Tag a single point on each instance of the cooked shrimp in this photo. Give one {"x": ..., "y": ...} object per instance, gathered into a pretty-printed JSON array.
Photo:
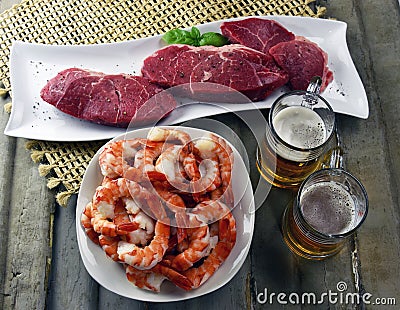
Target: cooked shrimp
[
  {"x": 106, "y": 199},
  {"x": 149, "y": 256},
  {"x": 173, "y": 201},
  {"x": 226, "y": 160},
  {"x": 211, "y": 147},
  {"x": 104, "y": 204},
  {"x": 201, "y": 274},
  {"x": 129, "y": 211},
  {"x": 208, "y": 212},
  {"x": 144, "y": 158},
  {"x": 227, "y": 229},
  {"x": 174, "y": 246},
  {"x": 149, "y": 187},
  {"x": 118, "y": 156},
  {"x": 216, "y": 194},
  {"x": 175, "y": 277},
  {"x": 86, "y": 218},
  {"x": 106, "y": 180},
  {"x": 110, "y": 246},
  {"x": 227, "y": 239},
  {"x": 153, "y": 278},
  {"x": 203, "y": 214},
  {"x": 163, "y": 134},
  {"x": 192, "y": 171},
  {"x": 225, "y": 155},
  {"x": 189, "y": 164},
  {"x": 176, "y": 204},
  {"x": 145, "y": 231},
  {"x": 121, "y": 215},
  {"x": 149, "y": 202},
  {"x": 168, "y": 164},
  {"x": 143, "y": 199},
  {"x": 199, "y": 241},
  {"x": 220, "y": 194},
  {"x": 144, "y": 279},
  {"x": 214, "y": 232},
  {"x": 210, "y": 178}
]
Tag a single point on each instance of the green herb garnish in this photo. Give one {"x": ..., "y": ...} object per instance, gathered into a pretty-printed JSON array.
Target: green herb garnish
[
  {"x": 213, "y": 38},
  {"x": 194, "y": 37}
]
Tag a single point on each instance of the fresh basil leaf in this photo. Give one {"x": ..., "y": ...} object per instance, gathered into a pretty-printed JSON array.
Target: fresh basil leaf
[
  {"x": 213, "y": 38},
  {"x": 189, "y": 41},
  {"x": 175, "y": 36},
  {"x": 195, "y": 33},
  {"x": 194, "y": 37}
]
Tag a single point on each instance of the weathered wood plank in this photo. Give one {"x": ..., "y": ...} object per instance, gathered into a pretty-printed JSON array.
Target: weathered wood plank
[
  {"x": 232, "y": 295},
  {"x": 276, "y": 270},
  {"x": 7, "y": 145},
  {"x": 25, "y": 210},
  {"x": 28, "y": 250},
  {"x": 70, "y": 286},
  {"x": 373, "y": 145}
]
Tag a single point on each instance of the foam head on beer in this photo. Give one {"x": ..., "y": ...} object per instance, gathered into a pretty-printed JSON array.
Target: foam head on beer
[
  {"x": 300, "y": 127},
  {"x": 328, "y": 208}
]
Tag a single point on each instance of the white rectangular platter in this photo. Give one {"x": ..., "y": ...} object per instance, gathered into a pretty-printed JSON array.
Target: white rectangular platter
[{"x": 32, "y": 65}]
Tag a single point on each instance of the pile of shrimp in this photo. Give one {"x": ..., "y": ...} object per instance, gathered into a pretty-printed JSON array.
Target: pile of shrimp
[{"x": 163, "y": 209}]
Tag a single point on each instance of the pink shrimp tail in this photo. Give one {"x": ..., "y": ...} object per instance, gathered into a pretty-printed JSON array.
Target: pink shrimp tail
[{"x": 128, "y": 227}]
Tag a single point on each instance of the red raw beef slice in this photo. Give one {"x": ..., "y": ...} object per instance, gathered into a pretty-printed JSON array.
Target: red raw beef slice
[
  {"x": 114, "y": 100},
  {"x": 246, "y": 70},
  {"x": 54, "y": 90},
  {"x": 303, "y": 60},
  {"x": 257, "y": 33}
]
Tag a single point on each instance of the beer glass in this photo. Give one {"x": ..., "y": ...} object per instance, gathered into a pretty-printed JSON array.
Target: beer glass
[
  {"x": 298, "y": 137},
  {"x": 330, "y": 206}
]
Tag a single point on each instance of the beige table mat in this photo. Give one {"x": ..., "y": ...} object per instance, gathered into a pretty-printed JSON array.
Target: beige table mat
[{"x": 94, "y": 21}]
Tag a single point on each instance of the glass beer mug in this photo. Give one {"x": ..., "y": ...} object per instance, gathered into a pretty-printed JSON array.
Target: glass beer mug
[
  {"x": 299, "y": 135},
  {"x": 330, "y": 206}
]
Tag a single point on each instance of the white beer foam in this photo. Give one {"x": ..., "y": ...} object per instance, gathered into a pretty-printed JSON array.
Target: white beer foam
[
  {"x": 328, "y": 207},
  {"x": 300, "y": 127}
]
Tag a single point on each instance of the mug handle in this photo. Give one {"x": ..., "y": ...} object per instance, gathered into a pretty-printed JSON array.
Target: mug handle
[{"x": 310, "y": 98}]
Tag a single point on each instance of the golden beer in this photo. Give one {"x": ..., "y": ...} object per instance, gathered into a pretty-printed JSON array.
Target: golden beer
[
  {"x": 298, "y": 242},
  {"x": 301, "y": 125},
  {"x": 295, "y": 142},
  {"x": 324, "y": 214},
  {"x": 282, "y": 172}
]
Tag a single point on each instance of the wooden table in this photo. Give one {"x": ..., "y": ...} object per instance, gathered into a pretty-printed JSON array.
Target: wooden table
[{"x": 39, "y": 257}]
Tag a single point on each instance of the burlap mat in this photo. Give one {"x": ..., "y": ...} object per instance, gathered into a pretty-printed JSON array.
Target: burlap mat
[{"x": 93, "y": 21}]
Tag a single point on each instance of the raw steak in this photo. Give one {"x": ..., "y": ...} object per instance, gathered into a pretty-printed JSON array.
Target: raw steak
[
  {"x": 302, "y": 59},
  {"x": 251, "y": 72},
  {"x": 115, "y": 100},
  {"x": 53, "y": 91},
  {"x": 257, "y": 33}
]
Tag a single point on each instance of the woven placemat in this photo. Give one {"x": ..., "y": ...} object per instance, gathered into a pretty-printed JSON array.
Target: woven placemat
[{"x": 93, "y": 21}]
